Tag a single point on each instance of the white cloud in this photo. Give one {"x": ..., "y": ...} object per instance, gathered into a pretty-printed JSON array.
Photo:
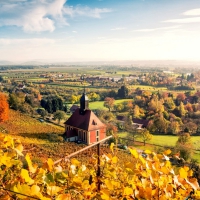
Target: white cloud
[
  {"x": 118, "y": 29},
  {"x": 85, "y": 11},
  {"x": 184, "y": 20},
  {"x": 32, "y": 41},
  {"x": 32, "y": 16},
  {"x": 156, "y": 29},
  {"x": 192, "y": 12},
  {"x": 42, "y": 15}
]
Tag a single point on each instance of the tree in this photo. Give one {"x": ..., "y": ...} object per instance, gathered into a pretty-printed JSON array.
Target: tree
[
  {"x": 174, "y": 127},
  {"x": 156, "y": 105},
  {"x": 43, "y": 113},
  {"x": 145, "y": 136},
  {"x": 4, "y": 107},
  {"x": 93, "y": 96},
  {"x": 109, "y": 102},
  {"x": 74, "y": 99},
  {"x": 13, "y": 101},
  {"x": 184, "y": 146},
  {"x": 49, "y": 106},
  {"x": 119, "y": 107},
  {"x": 181, "y": 109},
  {"x": 111, "y": 129},
  {"x": 130, "y": 128},
  {"x": 1, "y": 79},
  {"x": 59, "y": 115},
  {"x": 123, "y": 92},
  {"x": 180, "y": 97},
  {"x": 191, "y": 127},
  {"x": 105, "y": 116},
  {"x": 136, "y": 112}
]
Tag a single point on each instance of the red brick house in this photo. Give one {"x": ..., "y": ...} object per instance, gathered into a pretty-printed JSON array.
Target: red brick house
[{"x": 84, "y": 125}]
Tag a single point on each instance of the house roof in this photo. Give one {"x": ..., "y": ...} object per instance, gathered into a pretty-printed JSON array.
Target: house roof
[
  {"x": 88, "y": 121},
  {"x": 142, "y": 122}
]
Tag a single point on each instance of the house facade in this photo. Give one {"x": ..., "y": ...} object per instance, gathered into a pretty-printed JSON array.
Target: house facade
[{"x": 84, "y": 125}]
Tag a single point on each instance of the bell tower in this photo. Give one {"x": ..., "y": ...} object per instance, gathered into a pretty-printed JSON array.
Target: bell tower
[{"x": 84, "y": 103}]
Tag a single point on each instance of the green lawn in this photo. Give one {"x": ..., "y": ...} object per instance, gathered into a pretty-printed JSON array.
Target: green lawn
[
  {"x": 167, "y": 141},
  {"x": 99, "y": 104}
]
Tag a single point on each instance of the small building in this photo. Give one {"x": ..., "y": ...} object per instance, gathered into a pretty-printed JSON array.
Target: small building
[
  {"x": 137, "y": 123},
  {"x": 73, "y": 108},
  {"x": 84, "y": 125}
]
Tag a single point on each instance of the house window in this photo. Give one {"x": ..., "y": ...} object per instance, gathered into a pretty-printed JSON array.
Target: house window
[{"x": 97, "y": 133}]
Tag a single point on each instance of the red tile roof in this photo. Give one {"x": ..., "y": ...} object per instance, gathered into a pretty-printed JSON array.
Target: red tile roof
[{"x": 86, "y": 121}]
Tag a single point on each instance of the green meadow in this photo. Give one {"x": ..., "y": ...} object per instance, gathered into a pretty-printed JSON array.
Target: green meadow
[{"x": 100, "y": 104}]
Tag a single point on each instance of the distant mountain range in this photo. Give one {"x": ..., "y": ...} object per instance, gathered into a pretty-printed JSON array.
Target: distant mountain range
[{"x": 123, "y": 62}]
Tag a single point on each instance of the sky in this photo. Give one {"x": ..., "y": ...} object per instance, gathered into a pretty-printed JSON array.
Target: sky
[{"x": 99, "y": 30}]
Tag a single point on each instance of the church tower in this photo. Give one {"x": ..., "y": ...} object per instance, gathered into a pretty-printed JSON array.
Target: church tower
[{"x": 84, "y": 103}]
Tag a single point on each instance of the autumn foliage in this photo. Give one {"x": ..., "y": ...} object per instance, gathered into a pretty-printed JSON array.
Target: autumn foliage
[
  {"x": 4, "y": 107},
  {"x": 137, "y": 178}
]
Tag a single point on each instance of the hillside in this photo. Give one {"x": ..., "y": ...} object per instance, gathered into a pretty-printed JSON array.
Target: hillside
[{"x": 43, "y": 140}]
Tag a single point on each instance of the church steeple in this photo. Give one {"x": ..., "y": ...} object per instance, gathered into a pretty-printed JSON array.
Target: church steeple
[{"x": 84, "y": 103}]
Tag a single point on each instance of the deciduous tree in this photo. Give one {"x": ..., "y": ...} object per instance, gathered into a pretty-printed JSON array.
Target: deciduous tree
[
  {"x": 145, "y": 135},
  {"x": 59, "y": 115},
  {"x": 4, "y": 107},
  {"x": 109, "y": 102}
]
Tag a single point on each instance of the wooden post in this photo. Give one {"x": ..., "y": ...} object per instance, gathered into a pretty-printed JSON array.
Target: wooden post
[{"x": 98, "y": 165}]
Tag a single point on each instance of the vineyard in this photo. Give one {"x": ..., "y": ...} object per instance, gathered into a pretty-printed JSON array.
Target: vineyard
[
  {"x": 42, "y": 140},
  {"x": 138, "y": 178}
]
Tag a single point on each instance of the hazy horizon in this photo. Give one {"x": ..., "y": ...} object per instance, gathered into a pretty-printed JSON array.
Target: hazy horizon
[{"x": 99, "y": 30}]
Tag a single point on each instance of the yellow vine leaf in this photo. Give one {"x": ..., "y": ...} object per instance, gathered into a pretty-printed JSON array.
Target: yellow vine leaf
[
  {"x": 167, "y": 152},
  {"x": 75, "y": 162},
  {"x": 183, "y": 173},
  {"x": 147, "y": 151},
  {"x": 8, "y": 142},
  {"x": 105, "y": 194},
  {"x": 85, "y": 184},
  {"x": 50, "y": 164},
  {"x": 23, "y": 189},
  {"x": 35, "y": 190},
  {"x": 19, "y": 150},
  {"x": 186, "y": 168},
  {"x": 109, "y": 184},
  {"x": 190, "y": 173},
  {"x": 128, "y": 191},
  {"x": 30, "y": 166},
  {"x": 64, "y": 197},
  {"x": 20, "y": 147},
  {"x": 134, "y": 153},
  {"x": 26, "y": 177},
  {"x": 53, "y": 190},
  {"x": 77, "y": 180},
  {"x": 111, "y": 146},
  {"x": 114, "y": 159}
]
